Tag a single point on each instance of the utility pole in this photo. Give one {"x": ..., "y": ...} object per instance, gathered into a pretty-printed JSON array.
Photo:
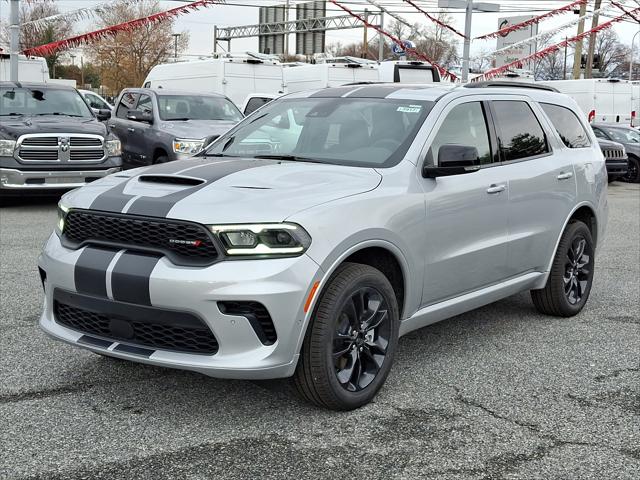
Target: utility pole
[
  {"x": 365, "y": 40},
  {"x": 577, "y": 56},
  {"x": 592, "y": 42},
  {"x": 469, "y": 7},
  {"x": 286, "y": 35},
  {"x": 564, "y": 66},
  {"x": 14, "y": 50},
  {"x": 381, "y": 40},
  {"x": 82, "y": 71},
  {"x": 176, "y": 36}
]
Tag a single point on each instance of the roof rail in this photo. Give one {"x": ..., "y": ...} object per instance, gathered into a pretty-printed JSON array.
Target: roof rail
[{"x": 504, "y": 83}]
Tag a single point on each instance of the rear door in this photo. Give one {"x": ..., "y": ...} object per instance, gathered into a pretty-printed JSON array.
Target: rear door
[
  {"x": 542, "y": 182},
  {"x": 120, "y": 125},
  {"x": 466, "y": 215}
]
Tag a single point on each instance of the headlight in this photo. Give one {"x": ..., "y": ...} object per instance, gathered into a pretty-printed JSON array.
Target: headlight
[
  {"x": 114, "y": 148},
  {"x": 7, "y": 147},
  {"x": 189, "y": 146},
  {"x": 268, "y": 239},
  {"x": 62, "y": 217}
]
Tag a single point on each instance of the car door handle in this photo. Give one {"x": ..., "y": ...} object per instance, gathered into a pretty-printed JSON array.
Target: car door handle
[
  {"x": 565, "y": 176},
  {"x": 129, "y": 129},
  {"x": 496, "y": 188}
]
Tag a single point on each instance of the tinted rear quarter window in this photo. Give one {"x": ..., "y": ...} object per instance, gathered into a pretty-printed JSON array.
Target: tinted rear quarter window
[
  {"x": 255, "y": 103},
  {"x": 519, "y": 131},
  {"x": 567, "y": 125}
]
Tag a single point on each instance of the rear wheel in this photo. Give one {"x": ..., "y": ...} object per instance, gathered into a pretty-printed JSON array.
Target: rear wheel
[
  {"x": 633, "y": 172},
  {"x": 571, "y": 276},
  {"x": 350, "y": 343}
]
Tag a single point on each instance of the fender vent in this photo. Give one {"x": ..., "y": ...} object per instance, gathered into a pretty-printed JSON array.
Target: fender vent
[
  {"x": 258, "y": 317},
  {"x": 170, "y": 180}
]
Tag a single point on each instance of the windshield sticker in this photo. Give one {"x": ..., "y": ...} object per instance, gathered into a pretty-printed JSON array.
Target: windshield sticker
[{"x": 409, "y": 108}]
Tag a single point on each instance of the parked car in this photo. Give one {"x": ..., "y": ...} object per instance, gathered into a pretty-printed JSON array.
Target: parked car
[
  {"x": 50, "y": 139},
  {"x": 95, "y": 101},
  {"x": 157, "y": 126},
  {"x": 616, "y": 159},
  {"x": 395, "y": 208},
  {"x": 629, "y": 137}
]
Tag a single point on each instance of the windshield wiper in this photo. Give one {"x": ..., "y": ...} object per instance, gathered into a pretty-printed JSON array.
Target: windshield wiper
[
  {"x": 57, "y": 113},
  {"x": 289, "y": 157},
  {"x": 12, "y": 114},
  {"x": 184, "y": 119}
]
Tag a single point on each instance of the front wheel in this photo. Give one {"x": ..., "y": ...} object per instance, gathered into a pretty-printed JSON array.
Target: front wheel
[
  {"x": 571, "y": 276},
  {"x": 350, "y": 343},
  {"x": 633, "y": 172}
]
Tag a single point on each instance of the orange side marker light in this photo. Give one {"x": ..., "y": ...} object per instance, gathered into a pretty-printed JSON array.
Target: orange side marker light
[{"x": 312, "y": 293}]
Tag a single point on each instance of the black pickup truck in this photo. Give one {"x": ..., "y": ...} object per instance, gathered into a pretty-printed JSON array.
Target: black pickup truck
[{"x": 50, "y": 139}]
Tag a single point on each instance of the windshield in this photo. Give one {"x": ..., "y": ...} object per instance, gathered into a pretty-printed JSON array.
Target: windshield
[
  {"x": 42, "y": 101},
  {"x": 185, "y": 107},
  {"x": 623, "y": 135},
  {"x": 372, "y": 132}
]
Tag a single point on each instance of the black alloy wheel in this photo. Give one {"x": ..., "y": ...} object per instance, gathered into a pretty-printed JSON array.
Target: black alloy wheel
[
  {"x": 577, "y": 270},
  {"x": 571, "y": 277},
  {"x": 350, "y": 341},
  {"x": 633, "y": 171},
  {"x": 361, "y": 338}
]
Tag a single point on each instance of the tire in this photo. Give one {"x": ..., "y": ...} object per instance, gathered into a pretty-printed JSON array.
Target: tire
[
  {"x": 611, "y": 178},
  {"x": 633, "y": 173},
  {"x": 322, "y": 376},
  {"x": 570, "y": 280},
  {"x": 161, "y": 159}
]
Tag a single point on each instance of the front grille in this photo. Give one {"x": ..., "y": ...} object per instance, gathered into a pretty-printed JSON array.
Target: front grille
[
  {"x": 61, "y": 148},
  {"x": 184, "y": 243},
  {"x": 86, "y": 155},
  {"x": 614, "y": 154},
  {"x": 187, "y": 337},
  {"x": 258, "y": 317}
]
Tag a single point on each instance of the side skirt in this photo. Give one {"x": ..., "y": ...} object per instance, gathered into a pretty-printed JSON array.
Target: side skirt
[{"x": 455, "y": 306}]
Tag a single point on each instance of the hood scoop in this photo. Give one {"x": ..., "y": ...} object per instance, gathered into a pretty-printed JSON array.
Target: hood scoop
[{"x": 171, "y": 180}]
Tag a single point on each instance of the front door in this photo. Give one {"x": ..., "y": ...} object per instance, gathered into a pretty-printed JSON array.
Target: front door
[
  {"x": 466, "y": 215},
  {"x": 121, "y": 125}
]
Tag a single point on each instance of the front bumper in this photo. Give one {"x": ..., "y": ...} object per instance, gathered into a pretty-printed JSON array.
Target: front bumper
[
  {"x": 281, "y": 285},
  {"x": 13, "y": 179},
  {"x": 617, "y": 167}
]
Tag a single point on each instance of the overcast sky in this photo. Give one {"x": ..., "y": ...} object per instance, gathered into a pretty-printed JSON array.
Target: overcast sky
[{"x": 240, "y": 12}]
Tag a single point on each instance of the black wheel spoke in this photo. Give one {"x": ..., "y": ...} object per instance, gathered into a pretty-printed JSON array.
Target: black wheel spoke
[{"x": 379, "y": 317}]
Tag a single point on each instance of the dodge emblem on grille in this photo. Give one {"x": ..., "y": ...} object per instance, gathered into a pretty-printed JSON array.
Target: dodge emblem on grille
[{"x": 191, "y": 243}]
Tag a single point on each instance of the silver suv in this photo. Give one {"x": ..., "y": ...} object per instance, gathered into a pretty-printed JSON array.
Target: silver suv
[{"x": 311, "y": 236}]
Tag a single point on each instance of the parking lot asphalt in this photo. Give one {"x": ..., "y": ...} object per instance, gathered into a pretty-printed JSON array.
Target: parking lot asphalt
[{"x": 499, "y": 392}]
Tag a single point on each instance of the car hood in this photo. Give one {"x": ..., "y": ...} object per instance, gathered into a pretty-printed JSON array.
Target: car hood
[
  {"x": 633, "y": 148},
  {"x": 197, "y": 128},
  {"x": 14, "y": 127},
  {"x": 223, "y": 190},
  {"x": 609, "y": 144}
]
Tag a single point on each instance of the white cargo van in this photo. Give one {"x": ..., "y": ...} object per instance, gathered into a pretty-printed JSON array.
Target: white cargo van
[
  {"x": 407, "y": 72},
  {"x": 30, "y": 69},
  {"x": 324, "y": 75},
  {"x": 234, "y": 76},
  {"x": 603, "y": 100}
]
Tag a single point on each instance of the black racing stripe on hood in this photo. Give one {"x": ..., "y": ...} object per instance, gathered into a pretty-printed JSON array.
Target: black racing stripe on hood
[
  {"x": 90, "y": 271},
  {"x": 211, "y": 172},
  {"x": 113, "y": 200},
  {"x": 130, "y": 277}
]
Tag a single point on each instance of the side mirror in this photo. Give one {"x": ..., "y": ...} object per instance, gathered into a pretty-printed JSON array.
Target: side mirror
[
  {"x": 453, "y": 160},
  {"x": 103, "y": 114},
  {"x": 140, "y": 116}
]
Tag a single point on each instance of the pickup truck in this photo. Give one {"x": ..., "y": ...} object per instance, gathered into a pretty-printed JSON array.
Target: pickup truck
[{"x": 50, "y": 139}]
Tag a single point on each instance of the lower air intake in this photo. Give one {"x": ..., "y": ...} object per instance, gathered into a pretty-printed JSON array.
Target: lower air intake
[{"x": 258, "y": 317}]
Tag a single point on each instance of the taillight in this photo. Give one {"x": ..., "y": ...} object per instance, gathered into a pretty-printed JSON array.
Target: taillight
[
  {"x": 592, "y": 115},
  {"x": 633, "y": 118}
]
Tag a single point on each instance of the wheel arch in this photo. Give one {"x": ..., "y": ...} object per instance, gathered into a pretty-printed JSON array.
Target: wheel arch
[{"x": 158, "y": 152}]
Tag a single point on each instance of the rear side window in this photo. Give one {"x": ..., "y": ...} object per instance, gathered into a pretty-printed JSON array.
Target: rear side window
[
  {"x": 255, "y": 103},
  {"x": 567, "y": 125},
  {"x": 127, "y": 102},
  {"x": 519, "y": 131}
]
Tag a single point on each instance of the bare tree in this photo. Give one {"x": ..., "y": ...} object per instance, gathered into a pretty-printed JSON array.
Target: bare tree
[
  {"x": 57, "y": 29},
  {"x": 126, "y": 58},
  {"x": 482, "y": 61},
  {"x": 439, "y": 43},
  {"x": 610, "y": 51}
]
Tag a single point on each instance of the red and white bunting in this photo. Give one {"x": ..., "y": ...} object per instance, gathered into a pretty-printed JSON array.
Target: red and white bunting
[
  {"x": 50, "y": 48},
  {"x": 444, "y": 73},
  {"x": 553, "y": 48},
  {"x": 434, "y": 19},
  {"x": 503, "y": 32}
]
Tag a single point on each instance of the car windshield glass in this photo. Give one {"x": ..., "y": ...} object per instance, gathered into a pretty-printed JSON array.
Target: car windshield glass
[
  {"x": 371, "y": 132},
  {"x": 186, "y": 107},
  {"x": 623, "y": 135},
  {"x": 42, "y": 101}
]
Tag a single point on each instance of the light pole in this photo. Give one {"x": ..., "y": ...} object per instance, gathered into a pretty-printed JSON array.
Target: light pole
[
  {"x": 73, "y": 59},
  {"x": 631, "y": 55},
  {"x": 14, "y": 50},
  {"x": 469, "y": 7}
]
